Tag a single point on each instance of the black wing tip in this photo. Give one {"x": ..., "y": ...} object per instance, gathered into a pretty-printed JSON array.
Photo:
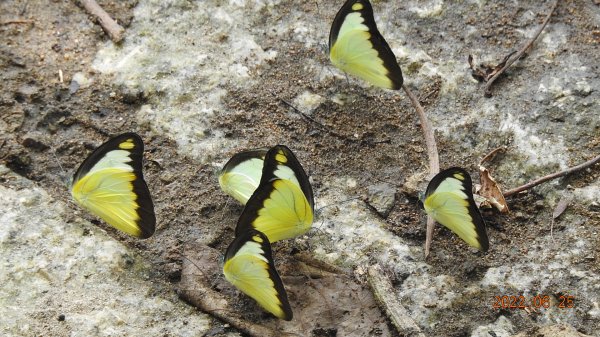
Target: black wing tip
[
  {"x": 482, "y": 236},
  {"x": 146, "y": 233},
  {"x": 289, "y": 315},
  {"x": 397, "y": 81},
  {"x": 479, "y": 223},
  {"x": 443, "y": 174},
  {"x": 145, "y": 210},
  {"x": 242, "y": 156},
  {"x": 147, "y": 226},
  {"x": 482, "y": 239},
  {"x": 137, "y": 139},
  {"x": 294, "y": 164},
  {"x": 453, "y": 169},
  {"x": 147, "y": 222},
  {"x": 485, "y": 246}
]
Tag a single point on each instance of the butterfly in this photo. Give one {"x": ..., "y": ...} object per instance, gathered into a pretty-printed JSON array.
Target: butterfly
[
  {"x": 449, "y": 200},
  {"x": 356, "y": 46},
  {"x": 282, "y": 206},
  {"x": 249, "y": 267},
  {"x": 241, "y": 174},
  {"x": 110, "y": 184}
]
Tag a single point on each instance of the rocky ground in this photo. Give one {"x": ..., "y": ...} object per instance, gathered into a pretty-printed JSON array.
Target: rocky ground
[{"x": 200, "y": 80}]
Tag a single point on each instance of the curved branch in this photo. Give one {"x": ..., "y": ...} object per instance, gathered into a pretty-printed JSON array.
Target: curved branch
[
  {"x": 386, "y": 297},
  {"x": 432, "y": 153},
  {"x": 488, "y": 90},
  {"x": 110, "y": 26},
  {"x": 552, "y": 176}
]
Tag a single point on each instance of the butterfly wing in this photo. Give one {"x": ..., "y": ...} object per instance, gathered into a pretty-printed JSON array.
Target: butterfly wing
[
  {"x": 110, "y": 184},
  {"x": 449, "y": 200},
  {"x": 241, "y": 175},
  {"x": 279, "y": 209},
  {"x": 281, "y": 163},
  {"x": 282, "y": 206},
  {"x": 249, "y": 267},
  {"x": 356, "y": 46}
]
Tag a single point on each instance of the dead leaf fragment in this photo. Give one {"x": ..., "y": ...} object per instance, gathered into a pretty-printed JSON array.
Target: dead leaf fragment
[
  {"x": 562, "y": 205},
  {"x": 483, "y": 73},
  {"x": 491, "y": 191}
]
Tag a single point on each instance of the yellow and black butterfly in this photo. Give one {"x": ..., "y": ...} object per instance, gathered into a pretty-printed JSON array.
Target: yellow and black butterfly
[
  {"x": 241, "y": 174},
  {"x": 449, "y": 200},
  {"x": 356, "y": 46},
  {"x": 282, "y": 206},
  {"x": 249, "y": 267},
  {"x": 110, "y": 184}
]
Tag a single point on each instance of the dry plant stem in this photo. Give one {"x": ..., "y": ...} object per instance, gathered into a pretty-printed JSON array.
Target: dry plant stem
[
  {"x": 492, "y": 153},
  {"x": 110, "y": 26},
  {"x": 310, "y": 260},
  {"x": 18, "y": 21},
  {"x": 210, "y": 302},
  {"x": 385, "y": 296},
  {"x": 488, "y": 86},
  {"x": 432, "y": 153},
  {"x": 536, "y": 182}
]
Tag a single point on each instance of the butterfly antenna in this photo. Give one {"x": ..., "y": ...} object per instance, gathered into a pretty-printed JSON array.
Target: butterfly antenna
[
  {"x": 347, "y": 79},
  {"x": 319, "y": 210},
  {"x": 64, "y": 177},
  {"x": 225, "y": 206}
]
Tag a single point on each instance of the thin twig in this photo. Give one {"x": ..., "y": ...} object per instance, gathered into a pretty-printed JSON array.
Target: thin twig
[
  {"x": 553, "y": 176},
  {"x": 492, "y": 153},
  {"x": 385, "y": 295},
  {"x": 312, "y": 261},
  {"x": 432, "y": 152},
  {"x": 488, "y": 86},
  {"x": 110, "y": 26},
  {"x": 16, "y": 21}
]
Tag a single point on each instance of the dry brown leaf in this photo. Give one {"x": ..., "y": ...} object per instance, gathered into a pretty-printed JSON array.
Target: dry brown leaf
[
  {"x": 560, "y": 207},
  {"x": 491, "y": 191},
  {"x": 484, "y": 72}
]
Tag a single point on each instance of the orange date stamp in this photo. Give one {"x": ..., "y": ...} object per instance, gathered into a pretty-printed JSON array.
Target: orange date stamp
[{"x": 533, "y": 302}]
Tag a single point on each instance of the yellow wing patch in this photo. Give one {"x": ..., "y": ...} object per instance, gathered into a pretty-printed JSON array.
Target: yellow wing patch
[
  {"x": 279, "y": 209},
  {"x": 449, "y": 200},
  {"x": 357, "y": 6},
  {"x": 356, "y": 46},
  {"x": 110, "y": 184},
  {"x": 249, "y": 267},
  {"x": 282, "y": 206},
  {"x": 127, "y": 144}
]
